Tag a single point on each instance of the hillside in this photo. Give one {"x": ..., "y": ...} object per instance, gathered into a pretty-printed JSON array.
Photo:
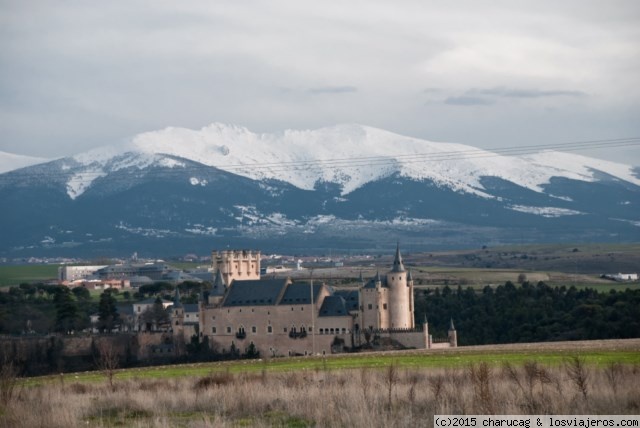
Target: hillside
[{"x": 347, "y": 187}]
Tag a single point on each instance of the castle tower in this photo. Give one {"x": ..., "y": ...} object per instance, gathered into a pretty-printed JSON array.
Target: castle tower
[
  {"x": 216, "y": 292},
  {"x": 236, "y": 264},
  {"x": 374, "y": 296},
  {"x": 177, "y": 314},
  {"x": 453, "y": 335},
  {"x": 400, "y": 294}
]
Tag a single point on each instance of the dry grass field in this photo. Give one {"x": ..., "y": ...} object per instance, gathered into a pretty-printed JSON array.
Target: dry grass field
[{"x": 395, "y": 395}]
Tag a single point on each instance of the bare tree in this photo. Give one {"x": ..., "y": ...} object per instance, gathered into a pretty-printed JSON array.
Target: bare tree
[{"x": 107, "y": 360}]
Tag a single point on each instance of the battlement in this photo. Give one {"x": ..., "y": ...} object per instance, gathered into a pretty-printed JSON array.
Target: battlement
[
  {"x": 235, "y": 255},
  {"x": 236, "y": 264}
]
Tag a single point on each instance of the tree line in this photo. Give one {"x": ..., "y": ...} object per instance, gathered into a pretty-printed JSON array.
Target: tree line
[
  {"x": 530, "y": 313},
  {"x": 43, "y": 308},
  {"x": 503, "y": 314}
]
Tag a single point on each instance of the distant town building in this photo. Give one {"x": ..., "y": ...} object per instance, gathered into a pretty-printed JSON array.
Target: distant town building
[
  {"x": 73, "y": 273},
  {"x": 621, "y": 276}
]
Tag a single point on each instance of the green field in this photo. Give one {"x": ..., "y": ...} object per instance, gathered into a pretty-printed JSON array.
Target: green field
[
  {"x": 17, "y": 274},
  {"x": 596, "y": 353}
]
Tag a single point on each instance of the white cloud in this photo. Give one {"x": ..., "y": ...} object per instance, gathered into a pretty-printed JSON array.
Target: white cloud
[{"x": 78, "y": 74}]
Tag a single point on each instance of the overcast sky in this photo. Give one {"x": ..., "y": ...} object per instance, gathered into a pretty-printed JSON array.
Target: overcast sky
[{"x": 79, "y": 74}]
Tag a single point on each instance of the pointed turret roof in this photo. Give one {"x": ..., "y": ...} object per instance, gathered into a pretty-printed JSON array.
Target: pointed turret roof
[
  {"x": 218, "y": 285},
  {"x": 451, "y": 326},
  {"x": 360, "y": 278},
  {"x": 398, "y": 266},
  {"x": 376, "y": 281},
  {"x": 409, "y": 277},
  {"x": 176, "y": 299}
]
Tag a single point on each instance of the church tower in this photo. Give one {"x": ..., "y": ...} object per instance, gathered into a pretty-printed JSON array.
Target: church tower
[{"x": 400, "y": 294}]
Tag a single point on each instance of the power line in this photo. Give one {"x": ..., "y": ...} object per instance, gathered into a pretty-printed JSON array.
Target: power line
[{"x": 379, "y": 161}]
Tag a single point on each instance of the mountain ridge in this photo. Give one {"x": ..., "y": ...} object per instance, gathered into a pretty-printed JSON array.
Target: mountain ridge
[
  {"x": 350, "y": 155},
  {"x": 136, "y": 197}
]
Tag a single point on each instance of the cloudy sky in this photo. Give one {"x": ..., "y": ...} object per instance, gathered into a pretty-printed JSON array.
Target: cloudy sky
[{"x": 79, "y": 74}]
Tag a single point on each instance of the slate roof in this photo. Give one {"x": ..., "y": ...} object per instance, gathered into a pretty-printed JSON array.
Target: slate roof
[
  {"x": 398, "y": 266},
  {"x": 299, "y": 293},
  {"x": 259, "y": 292},
  {"x": 217, "y": 288},
  {"x": 333, "y": 306},
  {"x": 372, "y": 282},
  {"x": 190, "y": 307},
  {"x": 351, "y": 297}
]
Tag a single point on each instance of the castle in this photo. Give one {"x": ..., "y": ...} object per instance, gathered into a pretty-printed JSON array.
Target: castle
[{"x": 280, "y": 317}]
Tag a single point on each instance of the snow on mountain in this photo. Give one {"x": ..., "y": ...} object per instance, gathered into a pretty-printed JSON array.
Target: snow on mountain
[
  {"x": 581, "y": 167},
  {"x": 100, "y": 162},
  {"x": 10, "y": 161},
  {"x": 349, "y": 155}
]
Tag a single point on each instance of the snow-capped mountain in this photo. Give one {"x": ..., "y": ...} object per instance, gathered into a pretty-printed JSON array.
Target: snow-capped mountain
[
  {"x": 346, "y": 186},
  {"x": 353, "y": 155}
]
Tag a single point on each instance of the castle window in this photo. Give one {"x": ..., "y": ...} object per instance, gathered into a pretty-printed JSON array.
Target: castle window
[
  {"x": 285, "y": 329},
  {"x": 344, "y": 330},
  {"x": 269, "y": 329},
  {"x": 228, "y": 330},
  {"x": 370, "y": 306},
  {"x": 213, "y": 330},
  {"x": 254, "y": 329},
  {"x": 322, "y": 331},
  {"x": 384, "y": 306}
]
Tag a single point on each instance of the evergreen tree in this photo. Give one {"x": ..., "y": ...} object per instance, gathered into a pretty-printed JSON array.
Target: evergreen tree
[
  {"x": 67, "y": 313},
  {"x": 108, "y": 318}
]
